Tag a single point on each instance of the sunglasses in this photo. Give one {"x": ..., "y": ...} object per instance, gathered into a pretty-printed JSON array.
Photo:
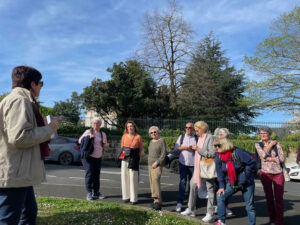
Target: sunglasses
[
  {"x": 41, "y": 83},
  {"x": 218, "y": 146},
  {"x": 188, "y": 127},
  {"x": 153, "y": 132}
]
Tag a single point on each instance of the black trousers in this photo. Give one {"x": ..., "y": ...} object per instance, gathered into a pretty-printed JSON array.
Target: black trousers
[{"x": 92, "y": 167}]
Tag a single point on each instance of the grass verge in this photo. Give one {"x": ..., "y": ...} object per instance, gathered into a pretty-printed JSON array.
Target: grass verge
[{"x": 55, "y": 211}]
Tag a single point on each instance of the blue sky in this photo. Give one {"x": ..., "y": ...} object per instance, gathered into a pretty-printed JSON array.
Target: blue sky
[{"x": 73, "y": 41}]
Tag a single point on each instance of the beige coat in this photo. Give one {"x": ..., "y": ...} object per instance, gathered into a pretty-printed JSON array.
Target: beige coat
[{"x": 20, "y": 157}]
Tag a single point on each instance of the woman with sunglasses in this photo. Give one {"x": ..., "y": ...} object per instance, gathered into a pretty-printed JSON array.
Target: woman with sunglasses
[
  {"x": 235, "y": 169},
  {"x": 156, "y": 155},
  {"x": 204, "y": 148}
]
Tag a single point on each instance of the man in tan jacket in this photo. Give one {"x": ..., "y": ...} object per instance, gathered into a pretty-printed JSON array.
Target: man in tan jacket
[{"x": 23, "y": 145}]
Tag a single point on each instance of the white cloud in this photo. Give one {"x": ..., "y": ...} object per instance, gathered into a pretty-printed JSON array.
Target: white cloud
[{"x": 235, "y": 15}]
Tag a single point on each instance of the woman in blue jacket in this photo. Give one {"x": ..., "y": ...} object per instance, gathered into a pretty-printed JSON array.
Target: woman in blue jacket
[{"x": 235, "y": 169}]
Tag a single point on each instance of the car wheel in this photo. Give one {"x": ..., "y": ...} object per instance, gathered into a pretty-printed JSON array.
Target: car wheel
[
  {"x": 174, "y": 166},
  {"x": 65, "y": 158}
]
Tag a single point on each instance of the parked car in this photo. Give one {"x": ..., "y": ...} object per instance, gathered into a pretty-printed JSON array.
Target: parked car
[
  {"x": 64, "y": 150},
  {"x": 172, "y": 161},
  {"x": 293, "y": 170}
]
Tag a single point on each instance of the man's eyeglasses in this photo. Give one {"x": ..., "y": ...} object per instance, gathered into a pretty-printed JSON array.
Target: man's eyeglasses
[
  {"x": 188, "y": 127},
  {"x": 263, "y": 133},
  {"x": 41, "y": 83},
  {"x": 153, "y": 132},
  {"x": 218, "y": 146}
]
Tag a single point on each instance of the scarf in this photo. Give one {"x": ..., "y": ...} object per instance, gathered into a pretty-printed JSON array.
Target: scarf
[
  {"x": 44, "y": 148},
  {"x": 197, "y": 178},
  {"x": 227, "y": 158}
]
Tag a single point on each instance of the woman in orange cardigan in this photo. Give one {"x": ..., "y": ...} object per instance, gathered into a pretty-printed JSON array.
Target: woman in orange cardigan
[{"x": 132, "y": 144}]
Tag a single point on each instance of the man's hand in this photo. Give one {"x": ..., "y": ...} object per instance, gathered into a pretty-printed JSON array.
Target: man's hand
[
  {"x": 194, "y": 147},
  {"x": 185, "y": 147}
]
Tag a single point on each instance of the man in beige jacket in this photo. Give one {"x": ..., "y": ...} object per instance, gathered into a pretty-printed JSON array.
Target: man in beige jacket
[{"x": 23, "y": 145}]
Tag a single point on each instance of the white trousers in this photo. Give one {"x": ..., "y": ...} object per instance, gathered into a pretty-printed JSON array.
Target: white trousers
[{"x": 129, "y": 182}]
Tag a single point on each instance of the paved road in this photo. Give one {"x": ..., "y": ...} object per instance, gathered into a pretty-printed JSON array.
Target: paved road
[{"x": 68, "y": 182}]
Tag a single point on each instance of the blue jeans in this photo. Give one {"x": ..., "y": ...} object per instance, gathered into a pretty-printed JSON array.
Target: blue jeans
[
  {"x": 17, "y": 206},
  {"x": 248, "y": 194},
  {"x": 185, "y": 173},
  {"x": 92, "y": 167}
]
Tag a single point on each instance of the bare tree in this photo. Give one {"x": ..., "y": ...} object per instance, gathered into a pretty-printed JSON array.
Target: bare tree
[{"x": 166, "y": 45}]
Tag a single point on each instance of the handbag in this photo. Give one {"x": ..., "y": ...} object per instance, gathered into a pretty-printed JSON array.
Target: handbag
[
  {"x": 126, "y": 151},
  {"x": 122, "y": 155},
  {"x": 208, "y": 168},
  {"x": 285, "y": 172}
]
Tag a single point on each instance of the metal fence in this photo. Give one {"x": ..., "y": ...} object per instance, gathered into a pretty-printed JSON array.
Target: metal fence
[{"x": 280, "y": 128}]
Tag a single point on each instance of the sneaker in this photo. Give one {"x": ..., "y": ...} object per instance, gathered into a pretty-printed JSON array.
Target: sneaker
[
  {"x": 98, "y": 195},
  {"x": 178, "y": 207},
  {"x": 188, "y": 212},
  {"x": 219, "y": 223},
  {"x": 228, "y": 211},
  {"x": 89, "y": 196},
  {"x": 101, "y": 196},
  {"x": 207, "y": 218}
]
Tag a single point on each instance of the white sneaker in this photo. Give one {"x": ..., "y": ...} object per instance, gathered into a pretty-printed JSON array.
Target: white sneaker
[
  {"x": 188, "y": 212},
  {"x": 101, "y": 196},
  {"x": 178, "y": 207},
  {"x": 228, "y": 211},
  {"x": 207, "y": 218}
]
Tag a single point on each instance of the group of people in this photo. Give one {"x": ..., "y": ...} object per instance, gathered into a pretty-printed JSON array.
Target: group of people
[
  {"x": 235, "y": 170},
  {"x": 24, "y": 138}
]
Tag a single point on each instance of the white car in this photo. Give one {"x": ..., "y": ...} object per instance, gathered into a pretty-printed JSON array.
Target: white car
[{"x": 294, "y": 170}]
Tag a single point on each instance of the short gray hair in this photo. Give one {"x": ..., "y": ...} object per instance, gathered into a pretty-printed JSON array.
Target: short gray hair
[
  {"x": 97, "y": 119},
  {"x": 154, "y": 128},
  {"x": 224, "y": 132},
  {"x": 267, "y": 129}
]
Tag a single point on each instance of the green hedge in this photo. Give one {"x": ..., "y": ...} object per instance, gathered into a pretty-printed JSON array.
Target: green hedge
[
  {"x": 243, "y": 141},
  {"x": 248, "y": 145}
]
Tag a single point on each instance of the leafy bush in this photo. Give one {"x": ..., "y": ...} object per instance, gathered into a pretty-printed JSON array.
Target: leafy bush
[
  {"x": 295, "y": 137},
  {"x": 243, "y": 137},
  {"x": 248, "y": 145}
]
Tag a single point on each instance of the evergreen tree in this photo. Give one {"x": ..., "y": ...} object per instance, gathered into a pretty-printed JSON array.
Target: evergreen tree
[{"x": 211, "y": 89}]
